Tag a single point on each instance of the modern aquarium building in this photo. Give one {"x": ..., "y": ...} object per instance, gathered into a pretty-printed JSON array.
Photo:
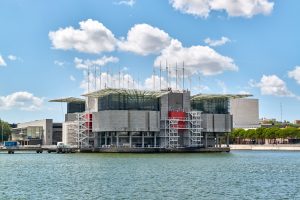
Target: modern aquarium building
[{"x": 130, "y": 120}]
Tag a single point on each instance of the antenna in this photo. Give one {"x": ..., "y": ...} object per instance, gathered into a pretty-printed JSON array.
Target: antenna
[
  {"x": 88, "y": 79},
  {"x": 123, "y": 80},
  {"x": 176, "y": 75},
  {"x": 153, "y": 78},
  {"x": 183, "y": 75},
  {"x": 190, "y": 80},
  {"x": 159, "y": 75},
  {"x": 100, "y": 76},
  {"x": 119, "y": 78},
  {"x": 127, "y": 82},
  {"x": 167, "y": 70},
  {"x": 95, "y": 81}
]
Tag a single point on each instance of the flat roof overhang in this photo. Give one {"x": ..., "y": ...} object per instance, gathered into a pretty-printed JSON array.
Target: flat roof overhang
[{"x": 68, "y": 100}]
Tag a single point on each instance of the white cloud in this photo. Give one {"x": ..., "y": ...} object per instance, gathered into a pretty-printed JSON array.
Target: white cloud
[
  {"x": 59, "y": 63},
  {"x": 144, "y": 39},
  {"x": 272, "y": 85},
  {"x": 295, "y": 74},
  {"x": 234, "y": 8},
  {"x": 2, "y": 61},
  {"x": 91, "y": 37},
  {"x": 197, "y": 59},
  {"x": 126, "y": 2},
  {"x": 72, "y": 78},
  {"x": 12, "y": 57},
  {"x": 85, "y": 64},
  {"x": 22, "y": 100},
  {"x": 215, "y": 43}
]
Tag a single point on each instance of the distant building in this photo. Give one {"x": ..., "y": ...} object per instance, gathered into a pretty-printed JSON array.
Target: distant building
[
  {"x": 245, "y": 113},
  {"x": 297, "y": 122},
  {"x": 43, "y": 132}
]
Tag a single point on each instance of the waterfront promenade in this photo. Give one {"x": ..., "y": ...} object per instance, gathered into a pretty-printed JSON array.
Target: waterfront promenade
[{"x": 271, "y": 147}]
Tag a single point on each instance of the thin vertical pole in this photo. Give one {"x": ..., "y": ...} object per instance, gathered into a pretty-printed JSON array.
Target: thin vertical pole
[
  {"x": 88, "y": 79},
  {"x": 160, "y": 76},
  {"x": 176, "y": 75},
  {"x": 183, "y": 76},
  {"x": 119, "y": 78},
  {"x": 190, "y": 79},
  {"x": 95, "y": 81},
  {"x": 100, "y": 77},
  {"x": 154, "y": 77}
]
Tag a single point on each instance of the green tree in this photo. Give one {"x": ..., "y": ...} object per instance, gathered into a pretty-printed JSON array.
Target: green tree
[{"x": 6, "y": 130}]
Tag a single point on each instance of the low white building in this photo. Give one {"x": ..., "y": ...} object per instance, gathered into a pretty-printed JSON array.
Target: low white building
[{"x": 37, "y": 132}]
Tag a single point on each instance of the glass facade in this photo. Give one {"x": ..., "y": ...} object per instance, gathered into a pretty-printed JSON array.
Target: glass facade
[
  {"x": 74, "y": 107},
  {"x": 211, "y": 105},
  {"x": 31, "y": 132},
  {"x": 128, "y": 102}
]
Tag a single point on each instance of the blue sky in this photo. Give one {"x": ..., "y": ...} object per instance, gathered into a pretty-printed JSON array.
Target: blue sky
[{"x": 46, "y": 48}]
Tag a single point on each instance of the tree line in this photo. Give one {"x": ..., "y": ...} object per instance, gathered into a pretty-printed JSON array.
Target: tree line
[{"x": 272, "y": 135}]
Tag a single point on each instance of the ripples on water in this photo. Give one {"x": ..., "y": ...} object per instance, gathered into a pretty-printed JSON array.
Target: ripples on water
[{"x": 235, "y": 175}]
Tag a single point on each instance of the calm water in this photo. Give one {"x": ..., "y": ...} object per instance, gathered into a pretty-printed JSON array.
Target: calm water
[{"x": 237, "y": 175}]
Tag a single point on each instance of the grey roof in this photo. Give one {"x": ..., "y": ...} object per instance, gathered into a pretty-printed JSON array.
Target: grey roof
[
  {"x": 108, "y": 91},
  {"x": 68, "y": 100},
  {"x": 219, "y": 96}
]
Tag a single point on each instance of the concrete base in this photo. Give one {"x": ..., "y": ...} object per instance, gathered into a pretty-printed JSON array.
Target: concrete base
[
  {"x": 156, "y": 150},
  {"x": 271, "y": 147}
]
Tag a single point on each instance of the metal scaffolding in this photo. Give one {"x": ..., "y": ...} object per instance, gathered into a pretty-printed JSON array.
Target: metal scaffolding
[
  {"x": 194, "y": 128},
  {"x": 83, "y": 130},
  {"x": 173, "y": 133},
  {"x": 190, "y": 126}
]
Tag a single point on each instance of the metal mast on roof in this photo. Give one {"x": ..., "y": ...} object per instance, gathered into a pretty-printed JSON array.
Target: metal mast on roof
[
  {"x": 88, "y": 79},
  {"x": 190, "y": 80},
  {"x": 100, "y": 77},
  {"x": 95, "y": 81},
  {"x": 119, "y": 78},
  {"x": 167, "y": 70},
  {"x": 159, "y": 75},
  {"x": 153, "y": 77},
  {"x": 183, "y": 75},
  {"x": 176, "y": 75},
  {"x": 123, "y": 80}
]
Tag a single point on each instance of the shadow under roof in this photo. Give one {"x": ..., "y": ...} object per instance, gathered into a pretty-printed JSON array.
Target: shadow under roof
[
  {"x": 219, "y": 96},
  {"x": 130, "y": 92}
]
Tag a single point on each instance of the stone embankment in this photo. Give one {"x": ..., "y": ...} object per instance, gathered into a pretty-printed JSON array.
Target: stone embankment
[{"x": 271, "y": 147}]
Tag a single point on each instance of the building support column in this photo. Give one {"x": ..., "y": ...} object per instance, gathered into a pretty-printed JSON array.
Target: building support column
[
  {"x": 117, "y": 137},
  {"x": 96, "y": 136},
  {"x": 105, "y": 143},
  {"x": 217, "y": 140},
  {"x": 111, "y": 138},
  {"x": 154, "y": 139},
  {"x": 206, "y": 140},
  {"x": 100, "y": 139},
  {"x": 130, "y": 139},
  {"x": 227, "y": 140},
  {"x": 143, "y": 140}
]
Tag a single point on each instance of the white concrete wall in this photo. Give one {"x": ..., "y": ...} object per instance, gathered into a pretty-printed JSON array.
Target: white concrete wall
[
  {"x": 245, "y": 113},
  {"x": 68, "y": 133},
  {"x": 91, "y": 104},
  {"x": 126, "y": 120}
]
